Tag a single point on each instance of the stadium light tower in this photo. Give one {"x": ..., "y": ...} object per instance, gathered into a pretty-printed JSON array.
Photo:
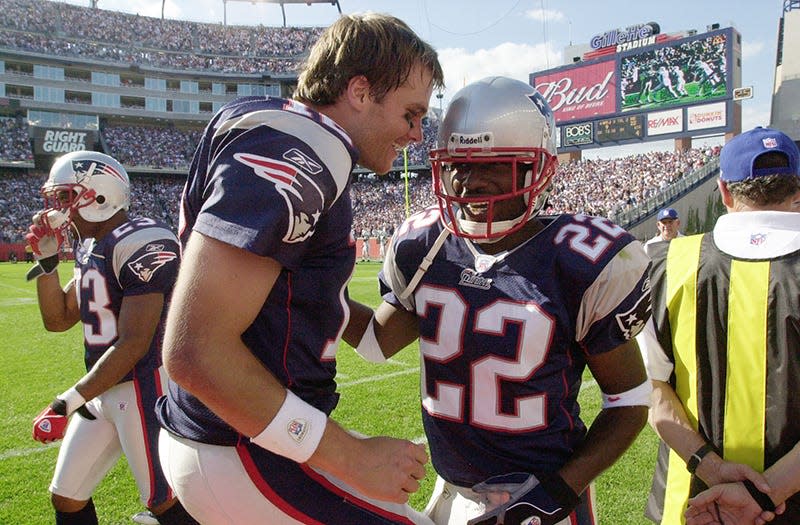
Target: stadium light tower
[{"x": 281, "y": 2}]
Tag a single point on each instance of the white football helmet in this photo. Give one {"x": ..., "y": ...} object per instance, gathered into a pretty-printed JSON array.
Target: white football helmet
[
  {"x": 89, "y": 183},
  {"x": 495, "y": 120}
]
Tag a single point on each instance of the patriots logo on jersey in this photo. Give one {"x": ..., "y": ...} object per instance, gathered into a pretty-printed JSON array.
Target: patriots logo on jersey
[
  {"x": 303, "y": 196},
  {"x": 474, "y": 280},
  {"x": 632, "y": 321},
  {"x": 148, "y": 264}
]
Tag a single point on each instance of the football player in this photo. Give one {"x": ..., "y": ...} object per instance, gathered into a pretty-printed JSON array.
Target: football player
[
  {"x": 261, "y": 300},
  {"x": 510, "y": 308},
  {"x": 125, "y": 269}
]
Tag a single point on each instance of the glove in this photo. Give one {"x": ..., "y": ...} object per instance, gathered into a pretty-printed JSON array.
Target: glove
[
  {"x": 45, "y": 240},
  {"x": 525, "y": 499},
  {"x": 49, "y": 426}
]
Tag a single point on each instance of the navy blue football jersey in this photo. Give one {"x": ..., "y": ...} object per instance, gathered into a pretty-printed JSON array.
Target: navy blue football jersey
[
  {"x": 504, "y": 338},
  {"x": 138, "y": 257},
  {"x": 271, "y": 176}
]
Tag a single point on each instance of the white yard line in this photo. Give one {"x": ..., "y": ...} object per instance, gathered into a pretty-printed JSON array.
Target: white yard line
[
  {"x": 381, "y": 377},
  {"x": 23, "y": 452}
]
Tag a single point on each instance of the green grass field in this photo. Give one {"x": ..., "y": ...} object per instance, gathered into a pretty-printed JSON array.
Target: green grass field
[{"x": 376, "y": 399}]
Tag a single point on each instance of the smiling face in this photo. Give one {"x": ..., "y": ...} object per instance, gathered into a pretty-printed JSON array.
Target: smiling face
[
  {"x": 396, "y": 121},
  {"x": 668, "y": 228},
  {"x": 478, "y": 185}
]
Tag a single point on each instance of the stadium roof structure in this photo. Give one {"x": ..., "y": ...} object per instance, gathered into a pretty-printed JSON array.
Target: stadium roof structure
[{"x": 281, "y": 2}]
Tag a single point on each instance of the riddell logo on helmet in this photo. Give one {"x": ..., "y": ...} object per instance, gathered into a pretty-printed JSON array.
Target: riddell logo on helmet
[{"x": 478, "y": 139}]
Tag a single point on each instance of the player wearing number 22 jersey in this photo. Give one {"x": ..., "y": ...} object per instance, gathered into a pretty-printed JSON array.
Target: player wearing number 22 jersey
[
  {"x": 510, "y": 309},
  {"x": 504, "y": 398}
]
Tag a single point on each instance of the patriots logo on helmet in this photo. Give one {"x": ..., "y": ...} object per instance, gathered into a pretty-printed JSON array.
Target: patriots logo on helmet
[
  {"x": 87, "y": 168},
  {"x": 304, "y": 198},
  {"x": 145, "y": 266},
  {"x": 541, "y": 103}
]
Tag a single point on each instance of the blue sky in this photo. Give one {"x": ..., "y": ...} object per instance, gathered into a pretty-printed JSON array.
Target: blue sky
[{"x": 516, "y": 37}]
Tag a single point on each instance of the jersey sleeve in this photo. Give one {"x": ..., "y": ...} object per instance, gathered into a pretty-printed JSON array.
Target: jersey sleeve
[
  {"x": 271, "y": 182},
  {"x": 616, "y": 306},
  {"x": 656, "y": 361},
  {"x": 415, "y": 240},
  {"x": 147, "y": 261}
]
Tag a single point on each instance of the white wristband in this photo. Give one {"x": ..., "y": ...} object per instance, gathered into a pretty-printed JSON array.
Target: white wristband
[
  {"x": 638, "y": 396},
  {"x": 295, "y": 431},
  {"x": 73, "y": 399},
  {"x": 368, "y": 348}
]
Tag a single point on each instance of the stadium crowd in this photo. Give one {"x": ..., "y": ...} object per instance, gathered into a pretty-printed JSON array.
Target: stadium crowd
[
  {"x": 62, "y": 29},
  {"x": 605, "y": 187},
  {"x": 596, "y": 187},
  {"x": 14, "y": 141},
  {"x": 162, "y": 148}
]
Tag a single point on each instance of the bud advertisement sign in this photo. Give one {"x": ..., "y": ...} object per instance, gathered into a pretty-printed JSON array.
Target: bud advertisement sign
[
  {"x": 663, "y": 122},
  {"x": 57, "y": 141},
  {"x": 579, "y": 93},
  {"x": 706, "y": 116}
]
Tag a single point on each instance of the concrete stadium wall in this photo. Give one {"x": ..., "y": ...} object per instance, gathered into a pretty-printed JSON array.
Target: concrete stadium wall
[{"x": 694, "y": 200}]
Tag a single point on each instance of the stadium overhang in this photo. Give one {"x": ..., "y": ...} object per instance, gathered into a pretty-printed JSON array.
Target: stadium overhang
[{"x": 281, "y": 2}]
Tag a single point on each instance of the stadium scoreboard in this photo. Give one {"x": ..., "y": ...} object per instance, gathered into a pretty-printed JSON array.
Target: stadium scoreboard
[
  {"x": 619, "y": 128},
  {"x": 639, "y": 84}
]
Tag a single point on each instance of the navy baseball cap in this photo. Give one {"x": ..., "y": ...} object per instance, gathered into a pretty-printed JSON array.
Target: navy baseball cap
[
  {"x": 738, "y": 156},
  {"x": 667, "y": 213}
]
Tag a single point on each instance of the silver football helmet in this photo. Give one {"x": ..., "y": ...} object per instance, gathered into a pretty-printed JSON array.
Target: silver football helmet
[
  {"x": 89, "y": 183},
  {"x": 495, "y": 120}
]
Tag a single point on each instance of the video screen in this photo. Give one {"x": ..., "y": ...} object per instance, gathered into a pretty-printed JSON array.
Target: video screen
[{"x": 684, "y": 73}]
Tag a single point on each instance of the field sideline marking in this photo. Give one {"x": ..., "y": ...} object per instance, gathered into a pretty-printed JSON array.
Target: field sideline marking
[
  {"x": 381, "y": 377},
  {"x": 421, "y": 439},
  {"x": 26, "y": 291},
  {"x": 22, "y": 452}
]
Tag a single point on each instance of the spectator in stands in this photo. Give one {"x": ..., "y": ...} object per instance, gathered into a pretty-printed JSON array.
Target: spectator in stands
[{"x": 668, "y": 226}]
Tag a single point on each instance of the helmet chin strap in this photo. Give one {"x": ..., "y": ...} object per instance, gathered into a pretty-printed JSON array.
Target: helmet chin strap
[{"x": 479, "y": 229}]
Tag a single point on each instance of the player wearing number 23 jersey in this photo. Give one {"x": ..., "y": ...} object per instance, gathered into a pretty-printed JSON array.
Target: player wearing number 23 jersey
[{"x": 124, "y": 273}]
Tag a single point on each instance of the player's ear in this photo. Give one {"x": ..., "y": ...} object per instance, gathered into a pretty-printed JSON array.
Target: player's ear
[{"x": 358, "y": 90}]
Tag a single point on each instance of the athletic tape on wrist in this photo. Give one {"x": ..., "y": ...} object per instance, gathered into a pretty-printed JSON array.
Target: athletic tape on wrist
[
  {"x": 369, "y": 348},
  {"x": 295, "y": 431},
  {"x": 638, "y": 396},
  {"x": 73, "y": 400}
]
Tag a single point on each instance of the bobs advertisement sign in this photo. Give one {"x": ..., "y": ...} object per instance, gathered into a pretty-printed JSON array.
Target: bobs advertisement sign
[
  {"x": 57, "y": 141},
  {"x": 579, "y": 93},
  {"x": 578, "y": 134}
]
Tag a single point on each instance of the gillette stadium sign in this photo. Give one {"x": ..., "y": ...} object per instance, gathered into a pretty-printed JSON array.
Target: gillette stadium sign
[{"x": 632, "y": 37}]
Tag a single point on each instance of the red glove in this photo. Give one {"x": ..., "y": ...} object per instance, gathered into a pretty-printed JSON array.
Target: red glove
[
  {"x": 49, "y": 426},
  {"x": 44, "y": 240}
]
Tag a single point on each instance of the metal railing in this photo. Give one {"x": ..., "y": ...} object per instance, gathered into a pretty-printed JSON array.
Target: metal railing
[{"x": 632, "y": 216}]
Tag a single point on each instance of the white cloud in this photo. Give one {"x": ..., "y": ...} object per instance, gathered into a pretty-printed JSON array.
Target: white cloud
[
  {"x": 754, "y": 115},
  {"x": 751, "y": 49},
  {"x": 550, "y": 15},
  {"x": 511, "y": 60}
]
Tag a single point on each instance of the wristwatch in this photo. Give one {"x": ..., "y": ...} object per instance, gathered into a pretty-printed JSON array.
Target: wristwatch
[{"x": 698, "y": 456}]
